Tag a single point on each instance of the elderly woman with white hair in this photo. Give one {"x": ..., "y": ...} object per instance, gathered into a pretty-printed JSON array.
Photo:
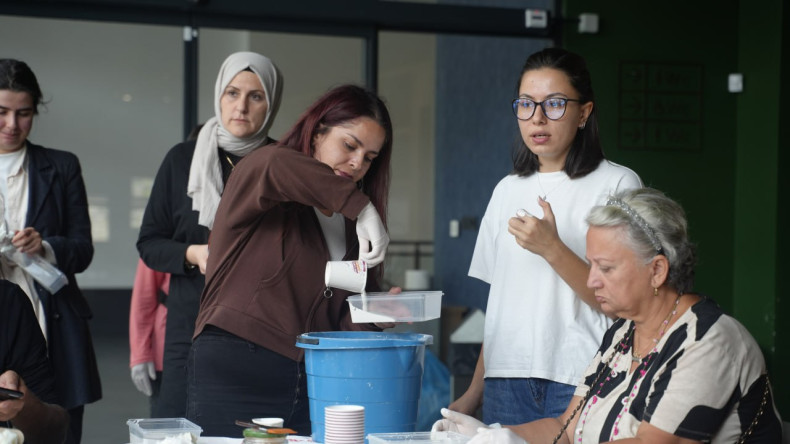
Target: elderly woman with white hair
[{"x": 673, "y": 368}]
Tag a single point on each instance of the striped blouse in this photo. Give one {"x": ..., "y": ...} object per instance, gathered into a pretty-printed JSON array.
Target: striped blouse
[{"x": 704, "y": 381}]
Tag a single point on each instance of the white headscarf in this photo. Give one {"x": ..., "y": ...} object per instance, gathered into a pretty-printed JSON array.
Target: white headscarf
[{"x": 205, "y": 174}]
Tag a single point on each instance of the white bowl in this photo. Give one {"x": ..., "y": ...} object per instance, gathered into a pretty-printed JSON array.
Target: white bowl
[{"x": 269, "y": 422}]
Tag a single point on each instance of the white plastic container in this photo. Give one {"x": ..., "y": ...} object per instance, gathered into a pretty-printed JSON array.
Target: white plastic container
[
  {"x": 408, "y": 306},
  {"x": 155, "y": 430},
  {"x": 417, "y": 438}
]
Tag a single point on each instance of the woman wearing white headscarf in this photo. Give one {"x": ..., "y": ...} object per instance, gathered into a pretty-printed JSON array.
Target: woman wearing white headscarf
[{"x": 184, "y": 198}]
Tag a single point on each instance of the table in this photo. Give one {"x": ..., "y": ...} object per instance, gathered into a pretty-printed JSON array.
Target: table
[{"x": 295, "y": 439}]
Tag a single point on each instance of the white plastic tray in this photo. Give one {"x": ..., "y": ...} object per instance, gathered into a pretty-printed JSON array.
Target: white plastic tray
[
  {"x": 152, "y": 430},
  {"x": 408, "y": 306},
  {"x": 418, "y": 438}
]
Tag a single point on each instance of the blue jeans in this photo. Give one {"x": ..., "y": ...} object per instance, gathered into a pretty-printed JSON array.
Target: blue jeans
[{"x": 510, "y": 401}]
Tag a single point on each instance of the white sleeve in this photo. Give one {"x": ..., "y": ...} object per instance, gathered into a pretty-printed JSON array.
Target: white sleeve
[
  {"x": 620, "y": 177},
  {"x": 629, "y": 181},
  {"x": 484, "y": 256}
]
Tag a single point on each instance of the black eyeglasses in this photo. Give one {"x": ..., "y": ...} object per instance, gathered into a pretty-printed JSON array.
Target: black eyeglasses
[{"x": 553, "y": 108}]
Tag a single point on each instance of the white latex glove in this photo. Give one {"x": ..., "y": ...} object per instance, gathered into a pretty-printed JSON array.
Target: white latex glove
[
  {"x": 11, "y": 435},
  {"x": 496, "y": 436},
  {"x": 457, "y": 422},
  {"x": 373, "y": 237},
  {"x": 142, "y": 374}
]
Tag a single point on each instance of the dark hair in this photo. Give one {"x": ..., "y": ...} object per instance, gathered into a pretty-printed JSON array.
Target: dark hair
[
  {"x": 16, "y": 76},
  {"x": 339, "y": 105},
  {"x": 586, "y": 152}
]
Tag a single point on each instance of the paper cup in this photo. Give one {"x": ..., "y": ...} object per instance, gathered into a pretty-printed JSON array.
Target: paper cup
[
  {"x": 347, "y": 275},
  {"x": 345, "y": 411}
]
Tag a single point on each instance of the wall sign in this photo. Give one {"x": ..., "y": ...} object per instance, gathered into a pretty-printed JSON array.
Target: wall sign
[{"x": 660, "y": 106}]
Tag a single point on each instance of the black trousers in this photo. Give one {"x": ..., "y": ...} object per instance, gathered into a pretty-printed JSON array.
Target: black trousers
[
  {"x": 153, "y": 401},
  {"x": 172, "y": 402},
  {"x": 74, "y": 434},
  {"x": 230, "y": 378}
]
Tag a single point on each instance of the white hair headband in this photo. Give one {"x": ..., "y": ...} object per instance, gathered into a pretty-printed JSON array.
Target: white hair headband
[{"x": 638, "y": 220}]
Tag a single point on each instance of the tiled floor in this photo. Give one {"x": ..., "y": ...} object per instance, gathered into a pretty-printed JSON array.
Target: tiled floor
[{"x": 105, "y": 420}]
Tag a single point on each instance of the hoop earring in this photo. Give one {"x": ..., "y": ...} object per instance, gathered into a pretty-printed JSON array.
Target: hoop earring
[{"x": 581, "y": 127}]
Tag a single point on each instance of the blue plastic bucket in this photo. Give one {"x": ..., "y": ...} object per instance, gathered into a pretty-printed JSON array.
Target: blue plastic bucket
[{"x": 377, "y": 370}]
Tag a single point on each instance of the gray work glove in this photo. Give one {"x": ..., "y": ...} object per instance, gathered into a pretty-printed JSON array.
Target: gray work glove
[{"x": 142, "y": 374}]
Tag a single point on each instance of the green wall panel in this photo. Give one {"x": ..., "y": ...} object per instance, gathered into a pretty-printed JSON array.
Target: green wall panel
[
  {"x": 723, "y": 168},
  {"x": 701, "y": 173}
]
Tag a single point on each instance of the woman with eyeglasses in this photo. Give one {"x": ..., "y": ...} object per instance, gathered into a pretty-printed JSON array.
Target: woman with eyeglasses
[{"x": 542, "y": 322}]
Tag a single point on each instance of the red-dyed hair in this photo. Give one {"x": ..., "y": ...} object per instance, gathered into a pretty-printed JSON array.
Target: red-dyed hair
[{"x": 338, "y": 106}]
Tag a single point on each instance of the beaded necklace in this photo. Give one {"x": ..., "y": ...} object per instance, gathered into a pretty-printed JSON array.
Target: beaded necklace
[
  {"x": 641, "y": 368},
  {"x": 635, "y": 356},
  {"x": 623, "y": 345}
]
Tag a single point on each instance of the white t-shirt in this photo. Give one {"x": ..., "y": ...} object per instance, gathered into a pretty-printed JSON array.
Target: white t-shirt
[
  {"x": 334, "y": 228},
  {"x": 13, "y": 188},
  {"x": 536, "y": 326},
  {"x": 13, "y": 209}
]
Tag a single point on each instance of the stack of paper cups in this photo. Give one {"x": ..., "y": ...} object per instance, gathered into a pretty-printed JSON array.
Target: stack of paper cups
[{"x": 344, "y": 424}]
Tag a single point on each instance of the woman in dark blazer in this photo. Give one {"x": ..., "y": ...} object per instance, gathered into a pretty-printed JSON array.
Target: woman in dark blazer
[{"x": 45, "y": 209}]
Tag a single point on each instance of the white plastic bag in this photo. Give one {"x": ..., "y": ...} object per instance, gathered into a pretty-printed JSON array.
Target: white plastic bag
[{"x": 46, "y": 274}]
